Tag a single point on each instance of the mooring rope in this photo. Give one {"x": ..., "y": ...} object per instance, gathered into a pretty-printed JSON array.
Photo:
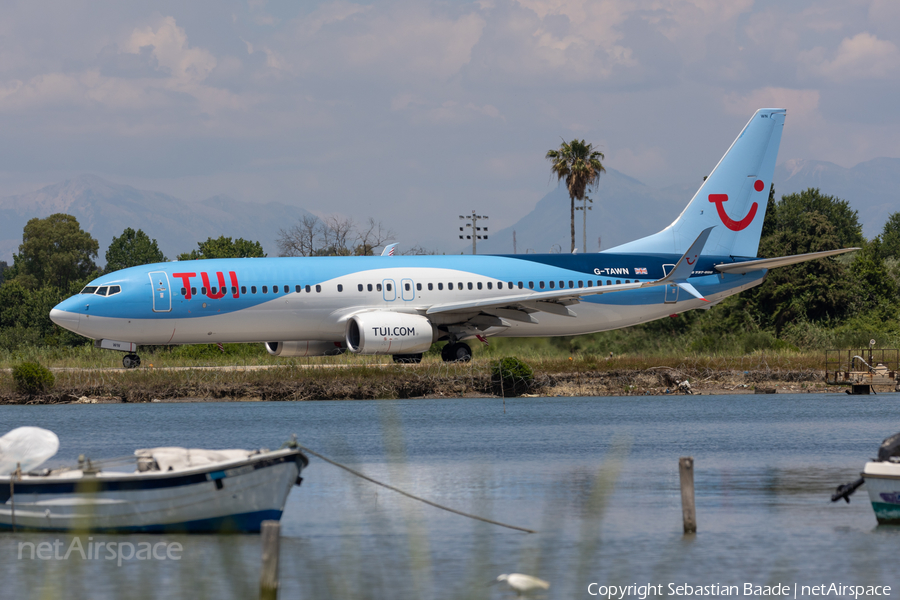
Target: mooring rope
[{"x": 408, "y": 495}]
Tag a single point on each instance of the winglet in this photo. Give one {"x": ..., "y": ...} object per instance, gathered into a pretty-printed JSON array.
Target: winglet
[
  {"x": 389, "y": 249},
  {"x": 685, "y": 265}
]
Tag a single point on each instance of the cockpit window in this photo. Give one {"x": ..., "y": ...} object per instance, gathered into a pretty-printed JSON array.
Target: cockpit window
[
  {"x": 113, "y": 289},
  {"x": 89, "y": 289},
  {"x": 101, "y": 291}
]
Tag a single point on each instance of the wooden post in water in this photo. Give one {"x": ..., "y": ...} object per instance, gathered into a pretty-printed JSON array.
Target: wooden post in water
[
  {"x": 688, "y": 514},
  {"x": 268, "y": 576}
]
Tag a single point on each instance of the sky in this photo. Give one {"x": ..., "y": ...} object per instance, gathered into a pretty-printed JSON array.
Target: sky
[{"x": 414, "y": 112}]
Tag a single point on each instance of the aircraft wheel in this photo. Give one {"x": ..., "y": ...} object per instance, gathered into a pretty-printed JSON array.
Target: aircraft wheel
[
  {"x": 131, "y": 361},
  {"x": 408, "y": 358},
  {"x": 456, "y": 352}
]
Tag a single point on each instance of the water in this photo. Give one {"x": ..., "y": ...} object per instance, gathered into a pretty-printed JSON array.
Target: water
[{"x": 598, "y": 477}]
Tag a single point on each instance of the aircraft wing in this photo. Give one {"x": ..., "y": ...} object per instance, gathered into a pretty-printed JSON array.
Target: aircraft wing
[
  {"x": 749, "y": 266},
  {"x": 555, "y": 301}
]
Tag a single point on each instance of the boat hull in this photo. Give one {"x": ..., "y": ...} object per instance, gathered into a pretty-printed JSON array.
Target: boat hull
[
  {"x": 883, "y": 485},
  {"x": 228, "y": 497}
]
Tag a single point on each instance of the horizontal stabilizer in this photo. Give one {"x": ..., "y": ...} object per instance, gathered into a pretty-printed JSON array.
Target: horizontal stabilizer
[
  {"x": 782, "y": 261},
  {"x": 691, "y": 290}
]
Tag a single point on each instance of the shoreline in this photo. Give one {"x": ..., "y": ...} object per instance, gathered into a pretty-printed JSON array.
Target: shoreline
[{"x": 232, "y": 384}]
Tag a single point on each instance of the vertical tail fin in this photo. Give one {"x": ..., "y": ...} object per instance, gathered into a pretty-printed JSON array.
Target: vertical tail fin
[{"x": 732, "y": 199}]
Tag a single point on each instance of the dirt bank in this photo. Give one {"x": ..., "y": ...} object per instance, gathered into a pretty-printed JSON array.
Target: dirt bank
[{"x": 413, "y": 382}]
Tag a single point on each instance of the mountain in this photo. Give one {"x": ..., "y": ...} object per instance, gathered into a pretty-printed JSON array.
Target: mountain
[
  {"x": 871, "y": 187},
  {"x": 623, "y": 209},
  {"x": 105, "y": 209}
]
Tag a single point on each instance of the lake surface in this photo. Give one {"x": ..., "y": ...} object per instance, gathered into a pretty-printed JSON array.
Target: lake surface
[{"x": 597, "y": 477}]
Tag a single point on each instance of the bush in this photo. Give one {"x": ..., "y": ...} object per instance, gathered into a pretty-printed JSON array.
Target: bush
[
  {"x": 511, "y": 377},
  {"x": 32, "y": 378}
]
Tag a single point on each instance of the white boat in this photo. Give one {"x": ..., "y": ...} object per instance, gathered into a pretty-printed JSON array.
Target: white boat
[
  {"x": 171, "y": 490},
  {"x": 882, "y": 480}
]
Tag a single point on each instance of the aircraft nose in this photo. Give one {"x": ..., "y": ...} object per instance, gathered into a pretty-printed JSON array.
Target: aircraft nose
[{"x": 64, "y": 318}]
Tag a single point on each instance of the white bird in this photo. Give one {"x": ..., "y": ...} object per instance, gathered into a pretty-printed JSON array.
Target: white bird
[{"x": 523, "y": 584}]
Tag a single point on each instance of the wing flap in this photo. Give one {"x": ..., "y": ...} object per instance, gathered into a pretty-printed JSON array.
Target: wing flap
[{"x": 749, "y": 266}]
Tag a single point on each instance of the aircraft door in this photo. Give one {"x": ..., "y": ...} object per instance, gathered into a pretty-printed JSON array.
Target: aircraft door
[
  {"x": 162, "y": 296},
  {"x": 407, "y": 290},
  {"x": 389, "y": 290},
  {"x": 671, "y": 289}
]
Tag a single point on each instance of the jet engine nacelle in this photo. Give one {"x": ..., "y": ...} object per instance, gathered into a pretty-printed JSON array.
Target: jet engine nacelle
[
  {"x": 304, "y": 348},
  {"x": 384, "y": 332}
]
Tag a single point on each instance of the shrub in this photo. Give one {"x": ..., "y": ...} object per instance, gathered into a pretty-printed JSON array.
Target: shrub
[
  {"x": 32, "y": 378},
  {"x": 511, "y": 377}
]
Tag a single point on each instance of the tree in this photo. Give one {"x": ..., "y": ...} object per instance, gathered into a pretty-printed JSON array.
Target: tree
[
  {"x": 131, "y": 249},
  {"x": 3, "y": 267},
  {"x": 845, "y": 220},
  {"x": 890, "y": 237},
  {"x": 224, "y": 247},
  {"x": 332, "y": 236},
  {"x": 54, "y": 251},
  {"x": 580, "y": 165}
]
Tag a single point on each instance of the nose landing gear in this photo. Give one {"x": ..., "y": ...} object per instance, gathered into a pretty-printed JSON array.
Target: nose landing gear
[{"x": 131, "y": 361}]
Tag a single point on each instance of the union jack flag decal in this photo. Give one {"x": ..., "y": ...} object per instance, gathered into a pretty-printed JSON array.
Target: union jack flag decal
[{"x": 640, "y": 271}]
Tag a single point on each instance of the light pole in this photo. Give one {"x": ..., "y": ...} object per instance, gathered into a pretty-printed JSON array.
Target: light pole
[
  {"x": 475, "y": 234},
  {"x": 585, "y": 208}
]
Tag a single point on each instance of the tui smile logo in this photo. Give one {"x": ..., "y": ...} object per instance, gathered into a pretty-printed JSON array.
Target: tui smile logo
[{"x": 720, "y": 199}]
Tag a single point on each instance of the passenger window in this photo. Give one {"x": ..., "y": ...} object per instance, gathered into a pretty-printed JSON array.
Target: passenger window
[
  {"x": 580, "y": 283},
  {"x": 479, "y": 285},
  {"x": 490, "y": 285},
  {"x": 407, "y": 287},
  {"x": 212, "y": 291},
  {"x": 193, "y": 291},
  {"x": 542, "y": 285},
  {"x": 265, "y": 289},
  {"x": 359, "y": 287},
  {"x": 340, "y": 288},
  {"x": 459, "y": 285},
  {"x": 369, "y": 287},
  {"x": 252, "y": 289},
  {"x": 470, "y": 285},
  {"x": 552, "y": 285},
  {"x": 618, "y": 281},
  {"x": 511, "y": 284},
  {"x": 388, "y": 287},
  {"x": 183, "y": 292},
  {"x": 450, "y": 286},
  {"x": 418, "y": 287},
  {"x": 521, "y": 286},
  {"x": 430, "y": 287},
  {"x": 440, "y": 286},
  {"x": 297, "y": 288},
  {"x": 378, "y": 286},
  {"x": 571, "y": 285},
  {"x": 627, "y": 281},
  {"x": 590, "y": 283},
  {"x": 562, "y": 285},
  {"x": 203, "y": 290},
  {"x": 608, "y": 282},
  {"x": 318, "y": 288},
  {"x": 243, "y": 289},
  {"x": 530, "y": 285},
  {"x": 233, "y": 290},
  {"x": 308, "y": 289}
]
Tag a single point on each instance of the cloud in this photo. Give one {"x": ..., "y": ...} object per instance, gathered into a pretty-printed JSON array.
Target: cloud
[
  {"x": 171, "y": 51},
  {"x": 862, "y": 56}
]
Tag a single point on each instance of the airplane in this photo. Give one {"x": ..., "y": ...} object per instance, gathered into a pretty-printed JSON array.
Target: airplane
[{"x": 401, "y": 305}]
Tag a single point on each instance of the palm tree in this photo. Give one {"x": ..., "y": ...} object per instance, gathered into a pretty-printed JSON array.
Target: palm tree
[{"x": 580, "y": 164}]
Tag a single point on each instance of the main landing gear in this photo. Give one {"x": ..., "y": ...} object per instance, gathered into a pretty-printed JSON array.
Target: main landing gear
[
  {"x": 131, "y": 361},
  {"x": 456, "y": 352}
]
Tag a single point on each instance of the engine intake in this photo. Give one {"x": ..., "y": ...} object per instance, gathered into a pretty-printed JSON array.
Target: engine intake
[
  {"x": 304, "y": 348},
  {"x": 384, "y": 332}
]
